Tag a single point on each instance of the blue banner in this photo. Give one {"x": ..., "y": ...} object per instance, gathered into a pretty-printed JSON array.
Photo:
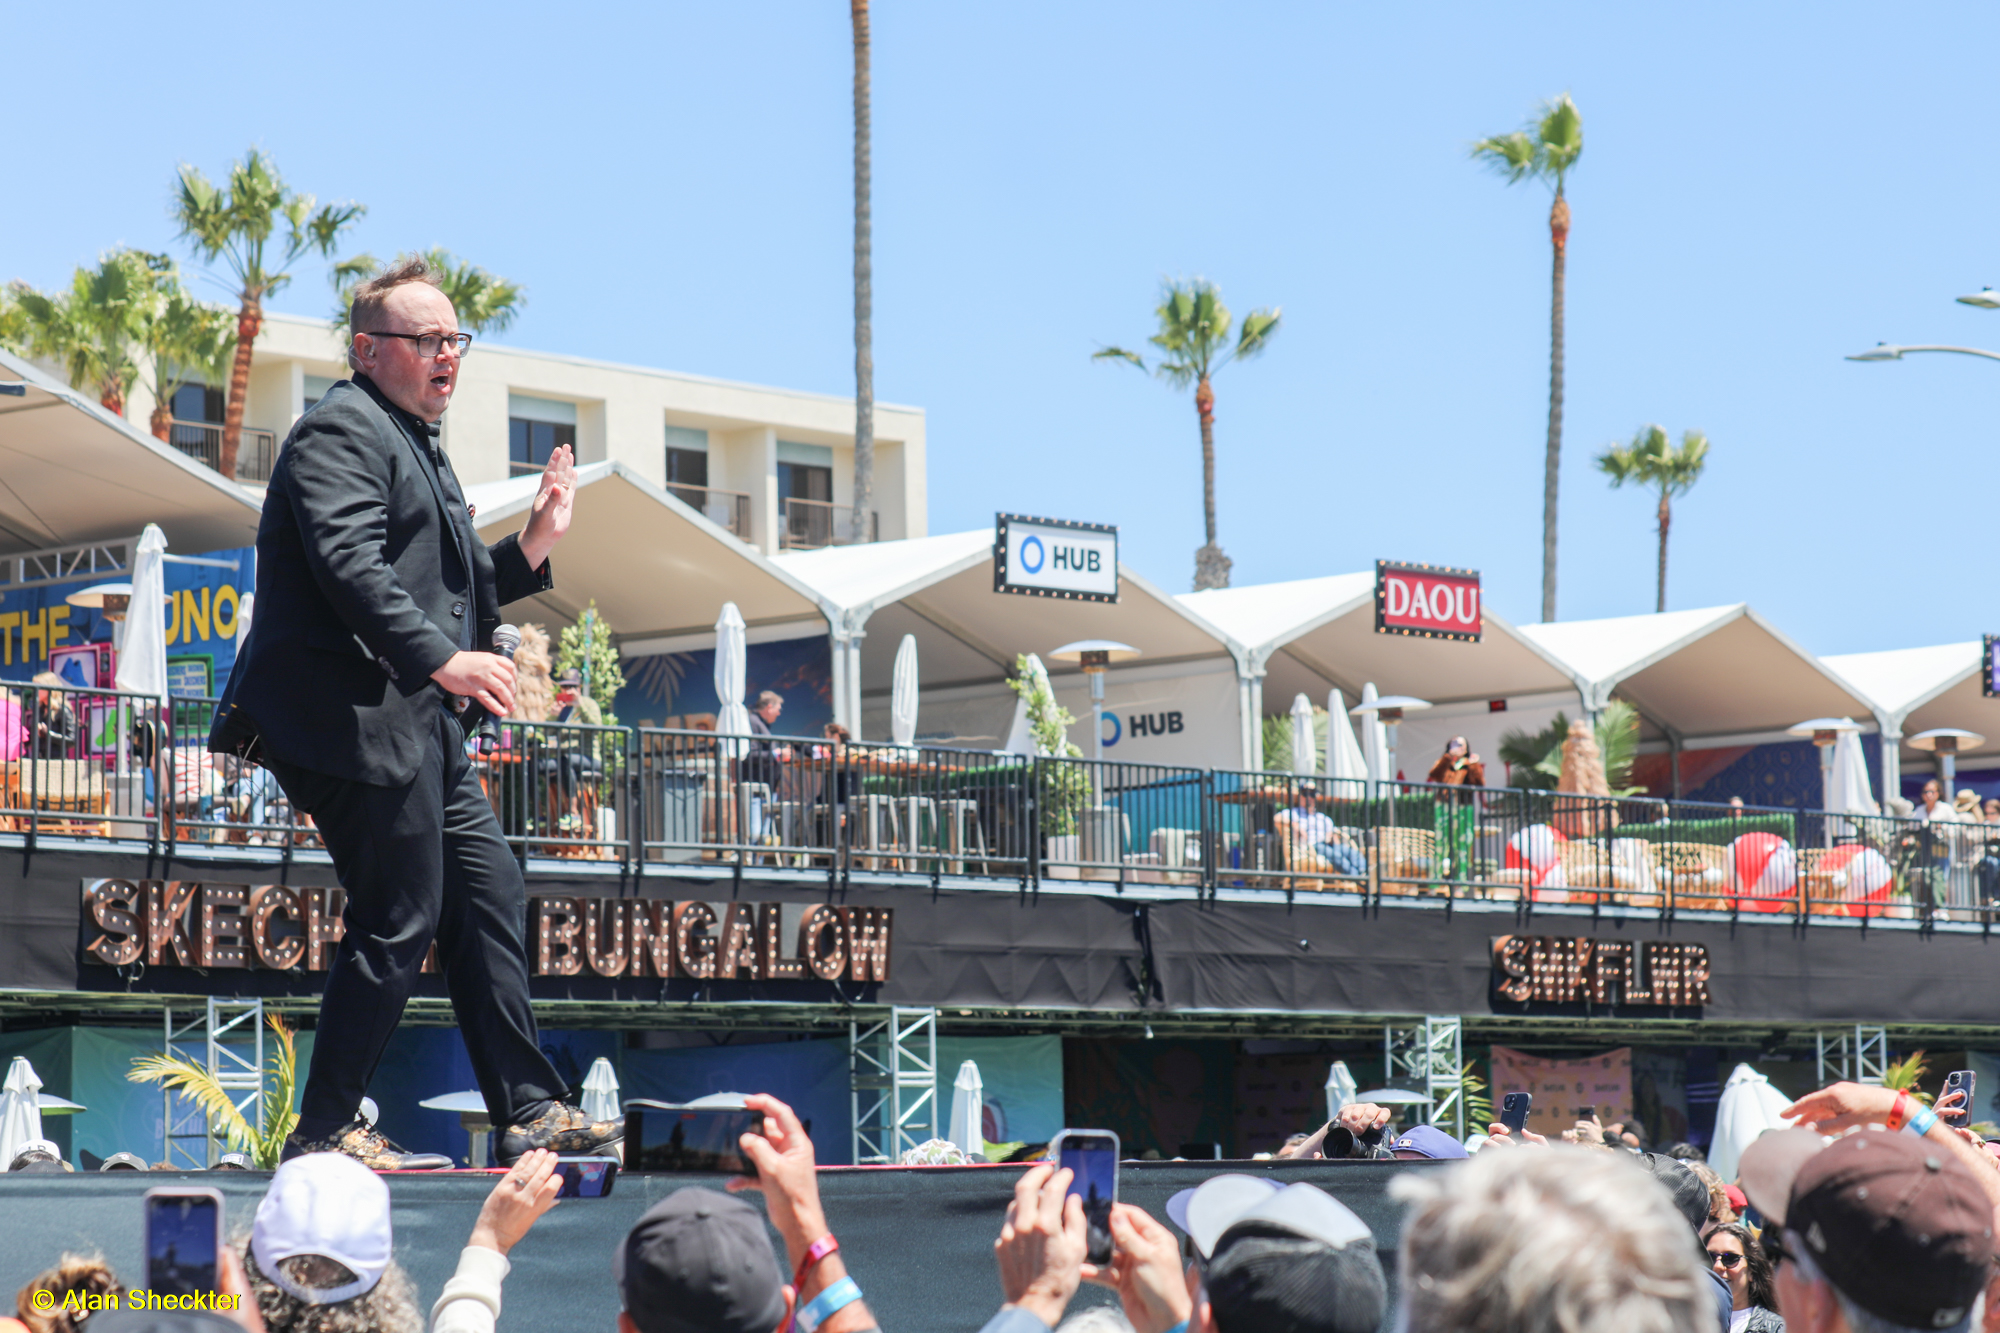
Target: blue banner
[{"x": 41, "y": 631}]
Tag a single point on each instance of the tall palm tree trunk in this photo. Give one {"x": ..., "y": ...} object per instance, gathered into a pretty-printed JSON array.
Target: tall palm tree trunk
[
  {"x": 1211, "y": 566},
  {"x": 1552, "y": 469},
  {"x": 864, "y": 290},
  {"x": 249, "y": 320},
  {"x": 1666, "y": 521}
]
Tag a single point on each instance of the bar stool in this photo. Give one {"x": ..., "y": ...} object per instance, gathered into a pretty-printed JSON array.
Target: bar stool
[{"x": 958, "y": 817}]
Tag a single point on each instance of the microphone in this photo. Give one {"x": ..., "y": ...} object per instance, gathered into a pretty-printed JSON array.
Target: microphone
[{"x": 506, "y": 640}]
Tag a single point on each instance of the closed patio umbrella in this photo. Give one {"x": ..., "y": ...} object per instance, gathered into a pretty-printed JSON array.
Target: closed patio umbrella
[
  {"x": 731, "y": 667},
  {"x": 1343, "y": 752},
  {"x": 1305, "y": 754},
  {"x": 967, "y": 1127},
  {"x": 142, "y": 657},
  {"x": 903, "y": 693},
  {"x": 1848, "y": 791},
  {"x": 600, "y": 1091},
  {"x": 20, "y": 1109},
  {"x": 1749, "y": 1106},
  {"x": 1374, "y": 738}
]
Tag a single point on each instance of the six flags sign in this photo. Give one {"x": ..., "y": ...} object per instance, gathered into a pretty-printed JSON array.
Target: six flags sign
[{"x": 1429, "y": 601}]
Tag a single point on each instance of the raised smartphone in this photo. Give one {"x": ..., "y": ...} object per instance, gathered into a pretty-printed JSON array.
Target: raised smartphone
[
  {"x": 1092, "y": 1158},
  {"x": 586, "y": 1177},
  {"x": 1514, "y": 1108},
  {"x": 183, "y": 1240},
  {"x": 1960, "y": 1080},
  {"x": 701, "y": 1140}
]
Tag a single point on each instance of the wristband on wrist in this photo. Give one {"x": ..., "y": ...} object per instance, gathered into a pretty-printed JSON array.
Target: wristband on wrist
[
  {"x": 1181, "y": 1327},
  {"x": 1920, "y": 1123},
  {"x": 823, "y": 1306},
  {"x": 815, "y": 1252},
  {"x": 1899, "y": 1114}
]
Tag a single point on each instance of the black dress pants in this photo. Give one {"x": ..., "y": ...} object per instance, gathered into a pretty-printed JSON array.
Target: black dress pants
[{"x": 421, "y": 862}]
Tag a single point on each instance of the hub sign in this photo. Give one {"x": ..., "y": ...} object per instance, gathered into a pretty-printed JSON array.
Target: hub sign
[{"x": 1052, "y": 557}]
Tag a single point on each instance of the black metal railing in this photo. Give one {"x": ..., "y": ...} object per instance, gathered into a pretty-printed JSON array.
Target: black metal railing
[
  {"x": 809, "y": 525},
  {"x": 256, "y": 450},
  {"x": 729, "y": 510},
  {"x": 94, "y": 764}
]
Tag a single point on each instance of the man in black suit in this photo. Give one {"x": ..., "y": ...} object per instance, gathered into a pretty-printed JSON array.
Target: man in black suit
[{"x": 365, "y": 668}]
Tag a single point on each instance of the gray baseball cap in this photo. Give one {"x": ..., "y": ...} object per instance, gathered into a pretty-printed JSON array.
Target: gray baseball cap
[{"x": 700, "y": 1262}]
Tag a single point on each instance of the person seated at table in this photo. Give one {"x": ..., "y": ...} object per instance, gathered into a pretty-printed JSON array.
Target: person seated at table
[
  {"x": 249, "y": 793},
  {"x": 55, "y": 721},
  {"x": 765, "y": 755},
  {"x": 1457, "y": 766},
  {"x": 575, "y": 767},
  {"x": 1309, "y": 833},
  {"x": 573, "y": 705}
]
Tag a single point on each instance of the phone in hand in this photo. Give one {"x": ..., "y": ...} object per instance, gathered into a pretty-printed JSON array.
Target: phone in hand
[
  {"x": 586, "y": 1177},
  {"x": 183, "y": 1240},
  {"x": 1514, "y": 1108},
  {"x": 1959, "y": 1080},
  {"x": 1092, "y": 1158},
  {"x": 703, "y": 1140}
]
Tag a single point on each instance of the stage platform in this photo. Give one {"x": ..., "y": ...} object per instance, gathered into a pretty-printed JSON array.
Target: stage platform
[{"x": 918, "y": 1240}]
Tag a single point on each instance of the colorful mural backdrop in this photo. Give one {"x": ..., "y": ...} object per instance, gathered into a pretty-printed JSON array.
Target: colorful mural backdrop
[
  {"x": 678, "y": 689},
  {"x": 39, "y": 631}
]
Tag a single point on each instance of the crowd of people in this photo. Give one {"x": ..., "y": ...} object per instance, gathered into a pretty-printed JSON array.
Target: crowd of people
[{"x": 1871, "y": 1216}]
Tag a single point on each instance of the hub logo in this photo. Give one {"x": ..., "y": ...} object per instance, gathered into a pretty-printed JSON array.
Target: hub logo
[{"x": 1142, "y": 724}]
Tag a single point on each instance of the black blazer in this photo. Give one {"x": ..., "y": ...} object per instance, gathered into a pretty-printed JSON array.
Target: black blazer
[{"x": 363, "y": 589}]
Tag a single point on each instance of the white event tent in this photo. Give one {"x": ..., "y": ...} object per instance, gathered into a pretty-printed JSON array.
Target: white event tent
[
  {"x": 1310, "y": 635},
  {"x": 1917, "y": 689},
  {"x": 1704, "y": 678},
  {"x": 76, "y": 475},
  {"x": 1177, "y": 703}
]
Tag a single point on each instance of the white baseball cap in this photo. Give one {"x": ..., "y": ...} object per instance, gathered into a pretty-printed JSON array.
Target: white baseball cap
[{"x": 329, "y": 1205}]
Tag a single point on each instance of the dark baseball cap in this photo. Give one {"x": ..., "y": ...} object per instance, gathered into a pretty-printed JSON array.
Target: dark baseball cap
[
  {"x": 1892, "y": 1220},
  {"x": 1689, "y": 1193},
  {"x": 1430, "y": 1141},
  {"x": 1285, "y": 1260},
  {"x": 700, "y": 1262}
]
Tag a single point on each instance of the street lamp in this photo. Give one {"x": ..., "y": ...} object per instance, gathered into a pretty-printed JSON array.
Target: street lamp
[
  {"x": 1946, "y": 743},
  {"x": 1095, "y": 656},
  {"x": 1825, "y": 733},
  {"x": 1891, "y": 352}
]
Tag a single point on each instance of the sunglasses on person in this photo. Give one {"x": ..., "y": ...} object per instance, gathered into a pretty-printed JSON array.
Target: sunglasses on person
[{"x": 1725, "y": 1258}]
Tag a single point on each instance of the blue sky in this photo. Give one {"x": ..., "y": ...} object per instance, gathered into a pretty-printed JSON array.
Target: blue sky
[{"x": 1764, "y": 189}]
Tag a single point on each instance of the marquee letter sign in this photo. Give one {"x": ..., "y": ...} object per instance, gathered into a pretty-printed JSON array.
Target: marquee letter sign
[
  {"x": 1053, "y": 557},
  {"x": 1561, "y": 969},
  {"x": 1429, "y": 601},
  {"x": 176, "y": 923}
]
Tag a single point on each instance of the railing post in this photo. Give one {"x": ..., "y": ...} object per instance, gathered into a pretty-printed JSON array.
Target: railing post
[{"x": 634, "y": 812}]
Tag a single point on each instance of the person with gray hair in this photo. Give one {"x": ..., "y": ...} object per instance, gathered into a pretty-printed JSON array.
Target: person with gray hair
[{"x": 1521, "y": 1242}]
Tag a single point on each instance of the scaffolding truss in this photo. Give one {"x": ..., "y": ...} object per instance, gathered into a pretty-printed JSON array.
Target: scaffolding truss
[
  {"x": 1859, "y": 1055},
  {"x": 226, "y": 1038},
  {"x": 1430, "y": 1057},
  {"x": 892, "y": 1068}
]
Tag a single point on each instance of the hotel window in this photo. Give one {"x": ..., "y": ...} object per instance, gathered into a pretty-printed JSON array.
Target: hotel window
[
  {"x": 535, "y": 427},
  {"x": 805, "y": 471},
  {"x": 316, "y": 387},
  {"x": 687, "y": 457},
  {"x": 199, "y": 402}
]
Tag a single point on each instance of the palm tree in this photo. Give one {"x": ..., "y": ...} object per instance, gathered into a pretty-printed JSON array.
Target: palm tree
[
  {"x": 864, "y": 287},
  {"x": 181, "y": 341},
  {"x": 237, "y": 226},
  {"x": 89, "y": 329},
  {"x": 485, "y": 301},
  {"x": 277, "y": 1115},
  {"x": 1194, "y": 337},
  {"x": 1653, "y": 460},
  {"x": 1545, "y": 151}
]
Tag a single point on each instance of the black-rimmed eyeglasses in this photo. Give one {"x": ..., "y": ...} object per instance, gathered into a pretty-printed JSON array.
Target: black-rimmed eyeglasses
[
  {"x": 430, "y": 344},
  {"x": 1725, "y": 1258}
]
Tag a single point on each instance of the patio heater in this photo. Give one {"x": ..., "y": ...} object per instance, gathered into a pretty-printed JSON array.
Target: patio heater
[
  {"x": 1825, "y": 733},
  {"x": 1095, "y": 656},
  {"x": 1389, "y": 710},
  {"x": 1946, "y": 743}
]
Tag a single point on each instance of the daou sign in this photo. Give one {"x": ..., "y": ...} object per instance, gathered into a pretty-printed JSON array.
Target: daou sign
[
  {"x": 1429, "y": 601},
  {"x": 1052, "y": 557}
]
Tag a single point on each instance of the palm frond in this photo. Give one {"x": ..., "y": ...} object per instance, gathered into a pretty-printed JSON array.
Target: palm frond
[
  {"x": 1905, "y": 1074},
  {"x": 1514, "y": 156},
  {"x": 1560, "y": 129},
  {"x": 1259, "y": 327},
  {"x": 1118, "y": 354},
  {"x": 199, "y": 1086}
]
